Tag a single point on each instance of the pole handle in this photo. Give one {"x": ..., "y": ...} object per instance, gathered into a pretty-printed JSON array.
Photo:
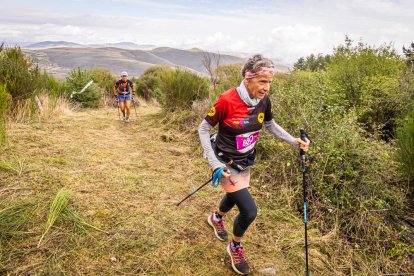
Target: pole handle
[{"x": 303, "y": 137}]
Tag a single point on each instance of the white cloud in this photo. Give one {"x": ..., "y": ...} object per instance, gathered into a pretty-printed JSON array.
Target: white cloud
[
  {"x": 46, "y": 31},
  {"x": 278, "y": 29}
]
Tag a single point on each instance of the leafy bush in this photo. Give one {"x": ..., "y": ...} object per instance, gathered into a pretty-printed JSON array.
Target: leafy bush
[
  {"x": 104, "y": 79},
  {"x": 229, "y": 76},
  {"x": 22, "y": 75},
  {"x": 354, "y": 182},
  {"x": 182, "y": 88},
  {"x": 312, "y": 63},
  {"x": 149, "y": 83},
  {"x": 5, "y": 100},
  {"x": 405, "y": 146},
  {"x": 368, "y": 78},
  {"x": 18, "y": 72},
  {"x": 75, "y": 82}
]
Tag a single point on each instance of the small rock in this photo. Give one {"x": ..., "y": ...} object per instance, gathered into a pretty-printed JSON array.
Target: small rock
[
  {"x": 166, "y": 138},
  {"x": 114, "y": 260},
  {"x": 267, "y": 271},
  {"x": 174, "y": 152}
]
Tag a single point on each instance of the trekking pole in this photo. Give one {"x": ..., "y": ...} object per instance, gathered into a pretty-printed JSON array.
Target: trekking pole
[
  {"x": 119, "y": 113},
  {"x": 133, "y": 102},
  {"x": 302, "y": 154},
  {"x": 195, "y": 191}
]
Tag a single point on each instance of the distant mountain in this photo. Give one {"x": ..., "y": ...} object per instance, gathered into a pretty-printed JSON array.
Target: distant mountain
[
  {"x": 59, "y": 57},
  {"x": 53, "y": 44},
  {"x": 123, "y": 45},
  {"x": 131, "y": 45},
  {"x": 60, "y": 60},
  {"x": 50, "y": 44}
]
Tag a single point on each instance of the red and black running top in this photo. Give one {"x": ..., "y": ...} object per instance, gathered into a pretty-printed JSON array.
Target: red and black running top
[
  {"x": 239, "y": 124},
  {"x": 124, "y": 87}
]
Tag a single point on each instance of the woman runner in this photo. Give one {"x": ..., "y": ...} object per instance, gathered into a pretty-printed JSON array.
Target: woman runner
[
  {"x": 240, "y": 114},
  {"x": 122, "y": 94}
]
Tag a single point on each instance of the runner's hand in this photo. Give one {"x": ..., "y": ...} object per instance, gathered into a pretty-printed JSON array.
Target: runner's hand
[
  {"x": 218, "y": 174},
  {"x": 303, "y": 145}
]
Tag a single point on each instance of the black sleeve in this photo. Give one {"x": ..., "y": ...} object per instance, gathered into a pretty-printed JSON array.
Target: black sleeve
[{"x": 268, "y": 112}]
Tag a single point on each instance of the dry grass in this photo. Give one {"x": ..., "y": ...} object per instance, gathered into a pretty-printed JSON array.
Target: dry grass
[
  {"x": 28, "y": 110},
  {"x": 126, "y": 179}
]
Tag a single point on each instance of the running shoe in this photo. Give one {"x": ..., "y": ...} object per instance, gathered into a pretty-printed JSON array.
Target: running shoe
[
  {"x": 238, "y": 259},
  {"x": 218, "y": 227}
]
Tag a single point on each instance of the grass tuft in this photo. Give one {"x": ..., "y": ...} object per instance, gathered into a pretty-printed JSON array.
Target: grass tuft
[{"x": 60, "y": 207}]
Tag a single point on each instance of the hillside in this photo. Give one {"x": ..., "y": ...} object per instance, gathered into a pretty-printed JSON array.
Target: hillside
[
  {"x": 60, "y": 60},
  {"x": 50, "y": 44}
]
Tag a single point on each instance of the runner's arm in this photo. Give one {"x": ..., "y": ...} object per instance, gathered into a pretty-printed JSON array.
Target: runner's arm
[
  {"x": 115, "y": 90},
  {"x": 279, "y": 132},
  {"x": 204, "y": 133},
  {"x": 132, "y": 90}
]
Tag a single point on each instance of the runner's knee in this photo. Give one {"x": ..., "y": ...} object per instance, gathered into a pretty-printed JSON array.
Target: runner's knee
[
  {"x": 244, "y": 219},
  {"x": 251, "y": 214}
]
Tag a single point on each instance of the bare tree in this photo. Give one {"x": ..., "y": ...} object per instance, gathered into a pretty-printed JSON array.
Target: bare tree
[{"x": 211, "y": 62}]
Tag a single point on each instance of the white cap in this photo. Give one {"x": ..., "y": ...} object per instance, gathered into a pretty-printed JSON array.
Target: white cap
[{"x": 124, "y": 73}]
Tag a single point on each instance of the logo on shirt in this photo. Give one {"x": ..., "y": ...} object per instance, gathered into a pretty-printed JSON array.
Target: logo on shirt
[
  {"x": 241, "y": 122},
  {"x": 212, "y": 112},
  {"x": 260, "y": 117}
]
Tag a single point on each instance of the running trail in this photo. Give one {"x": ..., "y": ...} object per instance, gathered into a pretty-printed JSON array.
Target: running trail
[{"x": 126, "y": 178}]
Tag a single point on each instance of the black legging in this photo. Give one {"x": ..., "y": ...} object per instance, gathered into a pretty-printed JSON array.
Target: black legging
[{"x": 247, "y": 207}]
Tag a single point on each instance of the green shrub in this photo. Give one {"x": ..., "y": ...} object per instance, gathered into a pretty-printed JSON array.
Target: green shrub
[
  {"x": 104, "y": 79},
  {"x": 18, "y": 73},
  {"x": 23, "y": 79},
  {"x": 312, "y": 62},
  {"x": 405, "y": 146},
  {"x": 148, "y": 85},
  {"x": 354, "y": 181},
  {"x": 5, "y": 100},
  {"x": 75, "y": 82},
  {"x": 182, "y": 88},
  {"x": 22, "y": 75},
  {"x": 47, "y": 83},
  {"x": 368, "y": 79},
  {"x": 350, "y": 67},
  {"x": 229, "y": 76}
]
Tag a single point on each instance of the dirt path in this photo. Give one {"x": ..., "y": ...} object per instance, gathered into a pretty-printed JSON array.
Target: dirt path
[{"x": 126, "y": 179}]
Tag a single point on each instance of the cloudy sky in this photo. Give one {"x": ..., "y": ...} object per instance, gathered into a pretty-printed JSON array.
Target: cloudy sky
[{"x": 280, "y": 29}]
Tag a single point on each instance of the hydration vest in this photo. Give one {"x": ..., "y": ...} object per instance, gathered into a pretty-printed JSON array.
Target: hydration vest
[{"x": 124, "y": 87}]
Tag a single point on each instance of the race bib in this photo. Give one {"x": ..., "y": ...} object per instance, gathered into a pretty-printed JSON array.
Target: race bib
[{"x": 247, "y": 141}]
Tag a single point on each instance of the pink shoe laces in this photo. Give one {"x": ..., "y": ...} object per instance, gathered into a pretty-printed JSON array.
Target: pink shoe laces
[{"x": 239, "y": 254}]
